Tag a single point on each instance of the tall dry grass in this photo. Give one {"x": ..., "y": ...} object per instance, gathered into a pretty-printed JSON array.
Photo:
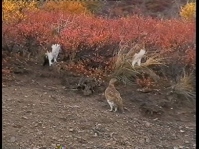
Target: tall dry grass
[
  {"x": 185, "y": 86},
  {"x": 123, "y": 69}
]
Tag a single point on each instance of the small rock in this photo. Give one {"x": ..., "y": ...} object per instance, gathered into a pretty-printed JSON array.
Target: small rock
[
  {"x": 95, "y": 134},
  {"x": 186, "y": 142},
  {"x": 142, "y": 141},
  {"x": 60, "y": 140},
  {"x": 38, "y": 124},
  {"x": 182, "y": 131},
  {"x": 24, "y": 117},
  {"x": 12, "y": 139},
  {"x": 53, "y": 145},
  {"x": 108, "y": 144},
  {"x": 54, "y": 97},
  {"x": 54, "y": 138},
  {"x": 71, "y": 130},
  {"x": 28, "y": 111},
  {"x": 147, "y": 124},
  {"x": 186, "y": 135},
  {"x": 147, "y": 139},
  {"x": 111, "y": 134},
  {"x": 39, "y": 132},
  {"x": 175, "y": 147},
  {"x": 155, "y": 119},
  {"x": 181, "y": 147}
]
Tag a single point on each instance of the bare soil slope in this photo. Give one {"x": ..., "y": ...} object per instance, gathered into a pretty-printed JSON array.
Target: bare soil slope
[{"x": 38, "y": 111}]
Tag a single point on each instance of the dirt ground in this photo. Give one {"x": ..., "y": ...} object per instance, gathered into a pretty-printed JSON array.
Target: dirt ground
[{"x": 40, "y": 112}]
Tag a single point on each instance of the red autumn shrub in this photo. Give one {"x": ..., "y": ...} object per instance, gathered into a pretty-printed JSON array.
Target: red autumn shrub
[{"x": 74, "y": 32}]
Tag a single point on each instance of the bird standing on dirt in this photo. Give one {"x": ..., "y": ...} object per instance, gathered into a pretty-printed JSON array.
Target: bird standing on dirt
[{"x": 113, "y": 97}]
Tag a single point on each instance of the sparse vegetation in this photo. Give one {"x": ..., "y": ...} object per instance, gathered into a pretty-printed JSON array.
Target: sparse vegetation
[
  {"x": 143, "y": 44},
  {"x": 93, "y": 47}
]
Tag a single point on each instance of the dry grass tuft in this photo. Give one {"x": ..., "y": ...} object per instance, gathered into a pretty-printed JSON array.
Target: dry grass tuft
[
  {"x": 186, "y": 86},
  {"x": 124, "y": 70}
]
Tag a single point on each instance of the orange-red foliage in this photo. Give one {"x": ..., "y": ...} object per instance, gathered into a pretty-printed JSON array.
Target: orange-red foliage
[{"x": 72, "y": 31}]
